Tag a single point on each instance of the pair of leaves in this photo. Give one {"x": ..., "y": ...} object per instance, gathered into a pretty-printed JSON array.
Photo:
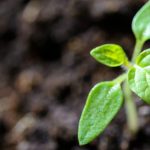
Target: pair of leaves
[
  {"x": 139, "y": 76},
  {"x": 105, "y": 98}
]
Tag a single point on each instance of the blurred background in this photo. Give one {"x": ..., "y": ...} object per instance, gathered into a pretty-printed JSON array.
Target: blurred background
[{"x": 46, "y": 72}]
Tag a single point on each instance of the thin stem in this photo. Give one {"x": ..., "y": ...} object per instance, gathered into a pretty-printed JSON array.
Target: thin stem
[
  {"x": 127, "y": 65},
  {"x": 131, "y": 111},
  {"x": 120, "y": 78},
  {"x": 137, "y": 49}
]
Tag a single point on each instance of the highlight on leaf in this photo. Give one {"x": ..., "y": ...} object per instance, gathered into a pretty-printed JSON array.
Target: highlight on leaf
[
  {"x": 143, "y": 60},
  {"x": 111, "y": 55}
]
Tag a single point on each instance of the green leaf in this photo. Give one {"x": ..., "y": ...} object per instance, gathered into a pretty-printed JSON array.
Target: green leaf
[
  {"x": 143, "y": 60},
  {"x": 111, "y": 55},
  {"x": 141, "y": 23},
  {"x": 139, "y": 76},
  {"x": 103, "y": 102},
  {"x": 139, "y": 82}
]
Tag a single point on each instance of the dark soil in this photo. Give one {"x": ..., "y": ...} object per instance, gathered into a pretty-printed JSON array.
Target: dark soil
[{"x": 46, "y": 72}]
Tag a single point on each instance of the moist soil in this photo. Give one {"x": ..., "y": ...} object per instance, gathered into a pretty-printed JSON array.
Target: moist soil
[{"x": 46, "y": 72}]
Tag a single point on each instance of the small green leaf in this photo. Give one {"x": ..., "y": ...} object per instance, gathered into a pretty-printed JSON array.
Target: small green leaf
[
  {"x": 139, "y": 82},
  {"x": 141, "y": 23},
  {"x": 111, "y": 55},
  {"x": 139, "y": 76},
  {"x": 143, "y": 60},
  {"x": 103, "y": 102}
]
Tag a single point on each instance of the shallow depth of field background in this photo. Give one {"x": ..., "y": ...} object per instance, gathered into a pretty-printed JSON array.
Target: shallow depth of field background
[{"x": 46, "y": 72}]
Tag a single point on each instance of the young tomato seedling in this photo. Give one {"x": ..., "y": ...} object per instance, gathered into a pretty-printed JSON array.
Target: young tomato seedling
[{"x": 106, "y": 98}]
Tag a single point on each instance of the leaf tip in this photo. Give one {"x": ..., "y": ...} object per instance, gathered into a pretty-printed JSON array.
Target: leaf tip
[
  {"x": 92, "y": 52},
  {"x": 82, "y": 141},
  {"x": 82, "y": 138}
]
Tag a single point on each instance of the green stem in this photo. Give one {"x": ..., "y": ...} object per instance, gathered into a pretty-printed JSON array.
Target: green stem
[
  {"x": 137, "y": 49},
  {"x": 120, "y": 78},
  {"x": 131, "y": 112},
  {"x": 127, "y": 65}
]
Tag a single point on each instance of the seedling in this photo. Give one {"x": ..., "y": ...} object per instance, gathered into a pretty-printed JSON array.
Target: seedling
[{"x": 106, "y": 98}]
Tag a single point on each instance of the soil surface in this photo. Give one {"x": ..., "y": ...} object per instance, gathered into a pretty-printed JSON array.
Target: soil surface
[{"x": 46, "y": 72}]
